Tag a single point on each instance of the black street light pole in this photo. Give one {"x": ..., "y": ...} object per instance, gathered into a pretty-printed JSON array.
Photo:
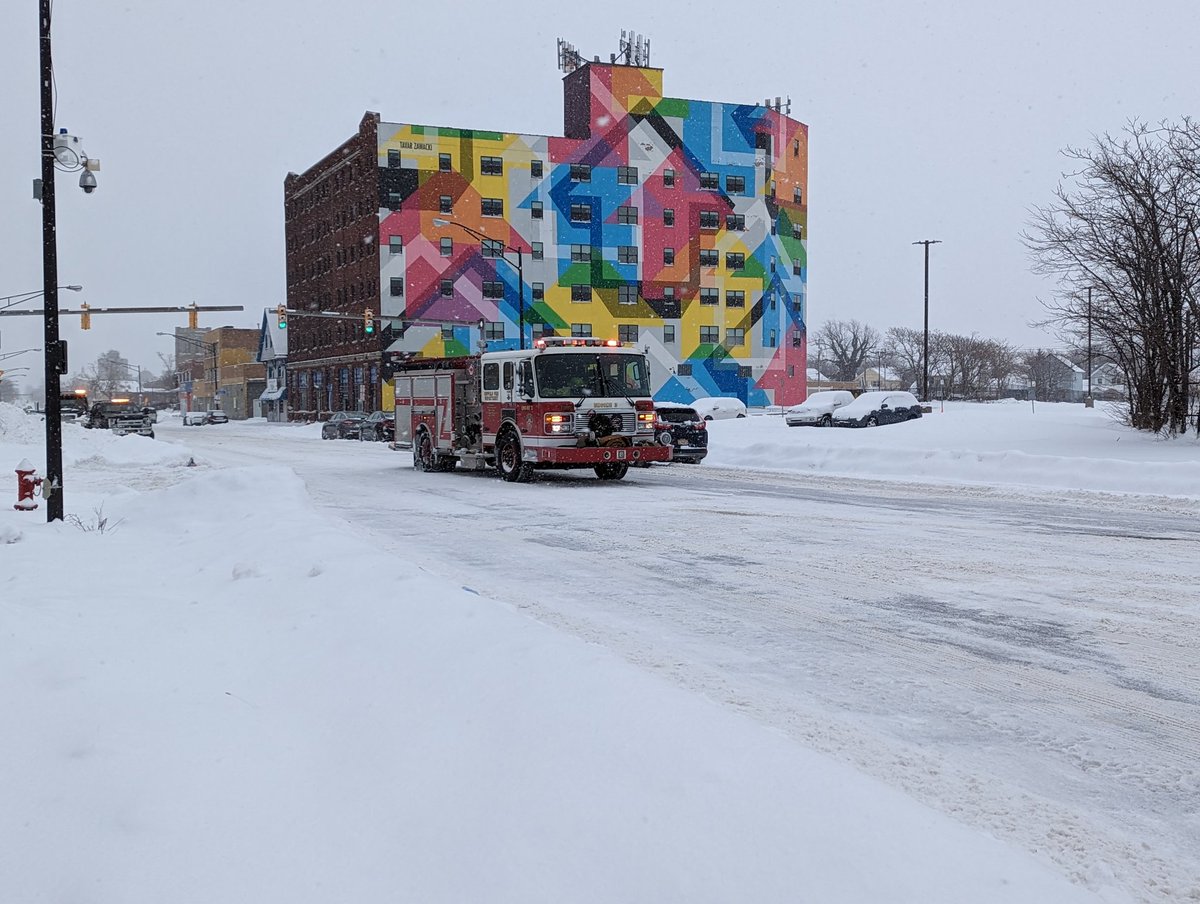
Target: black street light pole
[
  {"x": 925, "y": 354},
  {"x": 53, "y": 352},
  {"x": 520, "y": 270}
]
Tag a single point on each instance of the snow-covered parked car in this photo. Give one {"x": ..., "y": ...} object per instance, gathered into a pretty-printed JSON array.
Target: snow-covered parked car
[
  {"x": 873, "y": 408},
  {"x": 817, "y": 410},
  {"x": 195, "y": 418},
  {"x": 716, "y": 408}
]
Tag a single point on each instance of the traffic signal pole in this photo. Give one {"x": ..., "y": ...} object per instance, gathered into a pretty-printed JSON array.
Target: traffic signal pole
[{"x": 52, "y": 352}]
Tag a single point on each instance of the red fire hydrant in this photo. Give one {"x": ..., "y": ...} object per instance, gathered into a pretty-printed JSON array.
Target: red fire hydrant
[{"x": 27, "y": 482}]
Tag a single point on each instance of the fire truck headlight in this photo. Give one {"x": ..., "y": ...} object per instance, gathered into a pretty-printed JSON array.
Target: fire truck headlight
[
  {"x": 645, "y": 421},
  {"x": 558, "y": 423}
]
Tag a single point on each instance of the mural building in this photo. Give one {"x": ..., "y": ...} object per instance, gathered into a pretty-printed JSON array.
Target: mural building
[{"x": 678, "y": 226}]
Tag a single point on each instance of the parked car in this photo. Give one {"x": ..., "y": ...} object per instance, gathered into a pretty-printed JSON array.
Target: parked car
[
  {"x": 343, "y": 425},
  {"x": 682, "y": 427},
  {"x": 817, "y": 410},
  {"x": 195, "y": 418},
  {"x": 379, "y": 427},
  {"x": 217, "y": 416},
  {"x": 873, "y": 408},
  {"x": 719, "y": 407}
]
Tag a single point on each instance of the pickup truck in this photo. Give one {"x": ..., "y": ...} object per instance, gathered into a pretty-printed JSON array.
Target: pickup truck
[{"x": 119, "y": 416}]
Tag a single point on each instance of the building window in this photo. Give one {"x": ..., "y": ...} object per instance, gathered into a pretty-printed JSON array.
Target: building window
[
  {"x": 791, "y": 370},
  {"x": 710, "y": 180},
  {"x": 627, "y": 293},
  {"x": 797, "y": 340},
  {"x": 745, "y": 371},
  {"x": 668, "y": 293},
  {"x": 581, "y": 330},
  {"x": 493, "y": 288},
  {"x": 735, "y": 184},
  {"x": 581, "y": 213},
  {"x": 491, "y": 166},
  {"x": 798, "y": 195},
  {"x": 535, "y": 210},
  {"x": 771, "y": 339},
  {"x": 668, "y": 217},
  {"x": 684, "y": 370},
  {"x": 709, "y": 219},
  {"x": 710, "y": 334},
  {"x": 581, "y": 292},
  {"x": 397, "y": 286},
  {"x": 735, "y": 336},
  {"x": 627, "y": 254},
  {"x": 447, "y": 288},
  {"x": 735, "y": 260},
  {"x": 735, "y": 298},
  {"x": 493, "y": 330},
  {"x": 536, "y": 250},
  {"x": 447, "y": 333},
  {"x": 797, "y": 231},
  {"x": 708, "y": 257},
  {"x": 581, "y": 172},
  {"x": 735, "y": 221},
  {"x": 394, "y": 200},
  {"x": 444, "y": 162},
  {"x": 538, "y": 291},
  {"x": 668, "y": 332},
  {"x": 668, "y": 178},
  {"x": 796, "y": 147},
  {"x": 491, "y": 248},
  {"x": 668, "y": 255},
  {"x": 797, "y": 270},
  {"x": 445, "y": 204},
  {"x": 393, "y": 158},
  {"x": 542, "y": 329},
  {"x": 446, "y": 247},
  {"x": 395, "y": 244},
  {"x": 710, "y": 296},
  {"x": 492, "y": 207},
  {"x": 581, "y": 253},
  {"x": 535, "y": 169},
  {"x": 627, "y": 175},
  {"x": 627, "y": 332},
  {"x": 627, "y": 216},
  {"x": 772, "y": 263}
]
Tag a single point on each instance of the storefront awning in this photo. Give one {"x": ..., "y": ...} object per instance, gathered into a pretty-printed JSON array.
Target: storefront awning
[{"x": 273, "y": 395}]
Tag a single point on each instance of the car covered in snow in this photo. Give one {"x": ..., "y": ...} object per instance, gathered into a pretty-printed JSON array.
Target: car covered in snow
[
  {"x": 872, "y": 409},
  {"x": 681, "y": 427},
  {"x": 817, "y": 410},
  {"x": 716, "y": 408}
]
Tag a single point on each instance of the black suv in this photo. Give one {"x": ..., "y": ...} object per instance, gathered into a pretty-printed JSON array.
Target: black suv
[{"x": 684, "y": 429}]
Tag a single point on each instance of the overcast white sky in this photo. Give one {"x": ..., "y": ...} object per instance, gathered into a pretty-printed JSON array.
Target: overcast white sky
[{"x": 940, "y": 119}]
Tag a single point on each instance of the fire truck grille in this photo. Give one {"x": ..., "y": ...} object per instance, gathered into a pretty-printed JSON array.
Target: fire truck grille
[{"x": 626, "y": 419}]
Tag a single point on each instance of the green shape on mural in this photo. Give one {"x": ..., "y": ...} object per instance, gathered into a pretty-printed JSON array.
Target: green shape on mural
[
  {"x": 454, "y": 348},
  {"x": 673, "y": 106}
]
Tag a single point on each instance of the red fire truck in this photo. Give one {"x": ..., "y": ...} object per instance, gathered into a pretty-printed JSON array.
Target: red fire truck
[{"x": 565, "y": 403}]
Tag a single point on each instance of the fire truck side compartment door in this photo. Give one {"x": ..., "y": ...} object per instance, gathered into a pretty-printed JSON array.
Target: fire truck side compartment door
[
  {"x": 444, "y": 391},
  {"x": 404, "y": 408}
]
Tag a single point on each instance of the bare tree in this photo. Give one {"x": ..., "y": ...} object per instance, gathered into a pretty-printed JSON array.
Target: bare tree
[
  {"x": 1123, "y": 238},
  {"x": 849, "y": 344}
]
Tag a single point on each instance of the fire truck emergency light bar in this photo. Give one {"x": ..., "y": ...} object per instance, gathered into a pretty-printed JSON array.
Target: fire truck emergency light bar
[{"x": 574, "y": 341}]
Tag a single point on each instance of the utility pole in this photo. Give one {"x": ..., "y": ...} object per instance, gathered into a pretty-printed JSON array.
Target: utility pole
[
  {"x": 925, "y": 354},
  {"x": 53, "y": 352},
  {"x": 1090, "y": 403}
]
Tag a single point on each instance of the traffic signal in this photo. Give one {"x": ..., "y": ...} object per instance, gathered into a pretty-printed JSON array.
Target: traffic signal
[
  {"x": 281, "y": 316},
  {"x": 85, "y": 317},
  {"x": 193, "y": 317},
  {"x": 368, "y": 321}
]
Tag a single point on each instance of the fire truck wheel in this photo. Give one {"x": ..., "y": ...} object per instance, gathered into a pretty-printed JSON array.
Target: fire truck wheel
[
  {"x": 508, "y": 459},
  {"x": 612, "y": 470},
  {"x": 423, "y": 453}
]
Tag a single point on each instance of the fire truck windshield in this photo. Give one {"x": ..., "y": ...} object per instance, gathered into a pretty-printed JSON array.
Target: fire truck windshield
[{"x": 574, "y": 376}]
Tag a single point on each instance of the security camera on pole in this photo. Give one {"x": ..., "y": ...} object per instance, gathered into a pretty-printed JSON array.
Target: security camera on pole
[{"x": 59, "y": 151}]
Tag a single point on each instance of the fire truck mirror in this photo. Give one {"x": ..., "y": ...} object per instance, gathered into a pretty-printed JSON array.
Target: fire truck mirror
[{"x": 525, "y": 379}]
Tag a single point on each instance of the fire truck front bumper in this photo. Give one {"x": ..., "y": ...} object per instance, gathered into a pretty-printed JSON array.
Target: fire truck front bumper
[{"x": 598, "y": 455}]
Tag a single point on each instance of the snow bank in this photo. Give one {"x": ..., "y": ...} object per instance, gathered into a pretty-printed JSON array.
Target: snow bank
[
  {"x": 282, "y": 713},
  {"x": 1053, "y": 446}
]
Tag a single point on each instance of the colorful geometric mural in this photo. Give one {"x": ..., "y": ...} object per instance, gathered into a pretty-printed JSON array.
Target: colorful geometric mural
[{"x": 677, "y": 225}]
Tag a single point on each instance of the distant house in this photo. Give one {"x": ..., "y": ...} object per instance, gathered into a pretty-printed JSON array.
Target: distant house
[
  {"x": 885, "y": 378},
  {"x": 272, "y": 352},
  {"x": 1108, "y": 382}
]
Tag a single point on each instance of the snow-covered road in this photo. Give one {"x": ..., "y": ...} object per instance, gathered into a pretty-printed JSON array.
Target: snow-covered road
[{"x": 1025, "y": 663}]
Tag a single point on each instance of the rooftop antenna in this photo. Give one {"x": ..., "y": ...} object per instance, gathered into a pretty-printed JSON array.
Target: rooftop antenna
[
  {"x": 634, "y": 49},
  {"x": 568, "y": 57}
]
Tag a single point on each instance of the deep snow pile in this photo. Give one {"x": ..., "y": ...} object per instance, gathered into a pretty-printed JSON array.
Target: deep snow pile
[
  {"x": 1050, "y": 445},
  {"x": 267, "y": 709}
]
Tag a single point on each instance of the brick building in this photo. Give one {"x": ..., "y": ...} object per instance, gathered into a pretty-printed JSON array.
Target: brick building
[{"x": 677, "y": 225}]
